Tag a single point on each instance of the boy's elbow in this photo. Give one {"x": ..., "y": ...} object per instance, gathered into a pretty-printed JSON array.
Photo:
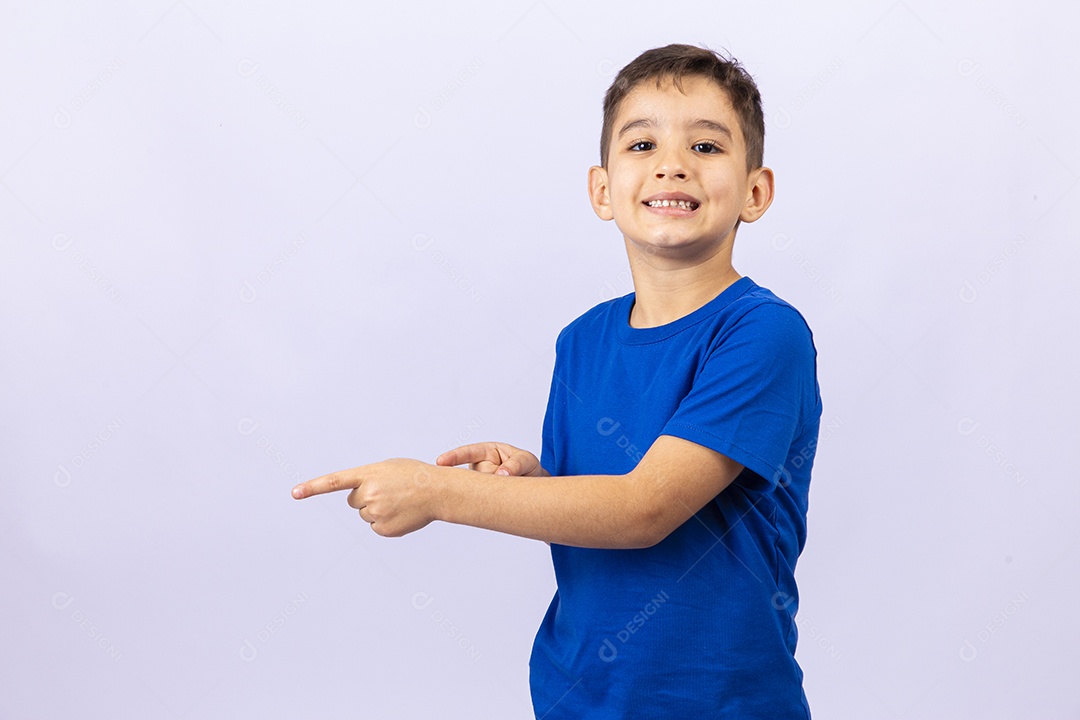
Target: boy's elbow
[
  {"x": 637, "y": 532},
  {"x": 651, "y": 514},
  {"x": 649, "y": 530}
]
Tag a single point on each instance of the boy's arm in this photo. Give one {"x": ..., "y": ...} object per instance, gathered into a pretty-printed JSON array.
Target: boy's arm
[{"x": 674, "y": 480}]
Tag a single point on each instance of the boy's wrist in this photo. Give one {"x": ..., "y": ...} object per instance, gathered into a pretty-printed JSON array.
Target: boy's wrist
[
  {"x": 445, "y": 491},
  {"x": 466, "y": 497}
]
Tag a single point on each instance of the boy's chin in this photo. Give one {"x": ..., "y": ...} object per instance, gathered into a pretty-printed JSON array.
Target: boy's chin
[{"x": 677, "y": 247}]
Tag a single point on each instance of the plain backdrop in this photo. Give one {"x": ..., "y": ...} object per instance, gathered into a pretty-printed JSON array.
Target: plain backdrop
[{"x": 246, "y": 244}]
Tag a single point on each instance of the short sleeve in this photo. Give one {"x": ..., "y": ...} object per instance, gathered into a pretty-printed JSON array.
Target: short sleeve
[
  {"x": 753, "y": 391},
  {"x": 547, "y": 444}
]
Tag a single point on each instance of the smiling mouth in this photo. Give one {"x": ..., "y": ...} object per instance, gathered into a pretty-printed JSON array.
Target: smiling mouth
[{"x": 682, "y": 204}]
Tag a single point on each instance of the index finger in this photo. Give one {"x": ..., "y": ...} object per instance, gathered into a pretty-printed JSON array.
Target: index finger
[
  {"x": 474, "y": 453},
  {"x": 340, "y": 480}
]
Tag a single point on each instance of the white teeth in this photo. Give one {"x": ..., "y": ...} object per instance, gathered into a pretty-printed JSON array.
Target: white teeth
[{"x": 684, "y": 204}]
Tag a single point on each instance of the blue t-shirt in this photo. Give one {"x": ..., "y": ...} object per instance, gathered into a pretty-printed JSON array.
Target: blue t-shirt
[{"x": 702, "y": 624}]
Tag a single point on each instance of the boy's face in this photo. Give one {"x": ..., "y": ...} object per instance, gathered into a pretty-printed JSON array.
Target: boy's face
[{"x": 685, "y": 148}]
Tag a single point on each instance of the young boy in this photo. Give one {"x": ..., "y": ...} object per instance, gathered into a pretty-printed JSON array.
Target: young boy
[{"x": 679, "y": 435}]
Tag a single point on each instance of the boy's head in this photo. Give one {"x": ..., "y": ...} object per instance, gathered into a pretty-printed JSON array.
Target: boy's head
[
  {"x": 673, "y": 63},
  {"x": 681, "y": 152}
]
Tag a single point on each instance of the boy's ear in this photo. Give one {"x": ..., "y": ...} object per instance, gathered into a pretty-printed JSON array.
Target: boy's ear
[
  {"x": 760, "y": 196},
  {"x": 598, "y": 193}
]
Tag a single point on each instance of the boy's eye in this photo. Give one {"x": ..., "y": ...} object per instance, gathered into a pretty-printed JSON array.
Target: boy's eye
[
  {"x": 642, "y": 145},
  {"x": 706, "y": 147}
]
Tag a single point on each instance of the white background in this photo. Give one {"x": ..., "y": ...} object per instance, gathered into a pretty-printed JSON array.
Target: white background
[{"x": 246, "y": 244}]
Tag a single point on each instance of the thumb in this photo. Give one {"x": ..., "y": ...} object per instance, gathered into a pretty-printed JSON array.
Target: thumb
[{"x": 510, "y": 466}]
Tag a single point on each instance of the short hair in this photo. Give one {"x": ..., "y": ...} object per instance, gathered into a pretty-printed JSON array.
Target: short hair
[{"x": 676, "y": 62}]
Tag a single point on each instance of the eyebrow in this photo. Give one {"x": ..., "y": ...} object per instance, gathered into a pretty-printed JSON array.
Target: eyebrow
[{"x": 699, "y": 123}]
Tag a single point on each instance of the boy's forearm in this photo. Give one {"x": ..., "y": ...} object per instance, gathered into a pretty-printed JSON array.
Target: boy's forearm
[{"x": 598, "y": 511}]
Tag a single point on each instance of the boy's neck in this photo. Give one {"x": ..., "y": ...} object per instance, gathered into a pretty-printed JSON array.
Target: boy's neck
[{"x": 666, "y": 289}]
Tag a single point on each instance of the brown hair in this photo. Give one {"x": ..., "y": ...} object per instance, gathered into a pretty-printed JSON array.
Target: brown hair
[{"x": 676, "y": 62}]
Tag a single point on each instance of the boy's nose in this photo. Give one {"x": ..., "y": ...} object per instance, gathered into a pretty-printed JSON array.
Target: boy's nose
[
  {"x": 670, "y": 171},
  {"x": 670, "y": 164}
]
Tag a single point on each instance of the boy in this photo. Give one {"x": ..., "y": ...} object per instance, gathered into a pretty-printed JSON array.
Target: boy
[{"x": 679, "y": 435}]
